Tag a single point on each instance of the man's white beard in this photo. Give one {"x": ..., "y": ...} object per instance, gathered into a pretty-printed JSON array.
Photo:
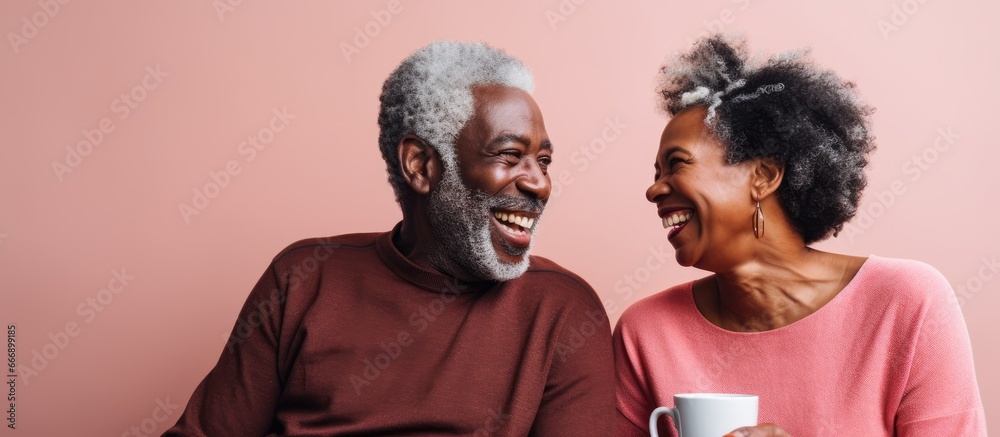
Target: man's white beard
[{"x": 460, "y": 222}]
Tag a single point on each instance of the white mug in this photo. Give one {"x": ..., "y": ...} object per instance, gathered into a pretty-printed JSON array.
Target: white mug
[{"x": 708, "y": 414}]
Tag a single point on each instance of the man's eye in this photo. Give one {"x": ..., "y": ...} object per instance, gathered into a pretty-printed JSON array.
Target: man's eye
[
  {"x": 543, "y": 163},
  {"x": 511, "y": 155}
]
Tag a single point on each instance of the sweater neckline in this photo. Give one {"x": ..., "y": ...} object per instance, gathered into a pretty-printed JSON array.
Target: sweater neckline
[
  {"x": 425, "y": 279},
  {"x": 841, "y": 296}
]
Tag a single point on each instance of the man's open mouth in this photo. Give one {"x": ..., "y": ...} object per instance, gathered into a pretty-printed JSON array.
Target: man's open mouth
[{"x": 515, "y": 226}]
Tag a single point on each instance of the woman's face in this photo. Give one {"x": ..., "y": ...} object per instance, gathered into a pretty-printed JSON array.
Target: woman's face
[{"x": 704, "y": 202}]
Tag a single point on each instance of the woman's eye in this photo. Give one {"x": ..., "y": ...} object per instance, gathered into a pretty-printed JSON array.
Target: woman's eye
[{"x": 672, "y": 163}]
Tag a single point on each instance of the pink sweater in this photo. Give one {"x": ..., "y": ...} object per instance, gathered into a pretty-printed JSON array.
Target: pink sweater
[{"x": 889, "y": 355}]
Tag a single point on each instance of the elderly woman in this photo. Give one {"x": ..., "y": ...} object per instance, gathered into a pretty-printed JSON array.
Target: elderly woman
[{"x": 759, "y": 161}]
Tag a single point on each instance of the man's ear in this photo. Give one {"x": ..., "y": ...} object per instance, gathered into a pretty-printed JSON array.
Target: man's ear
[
  {"x": 419, "y": 163},
  {"x": 766, "y": 177}
]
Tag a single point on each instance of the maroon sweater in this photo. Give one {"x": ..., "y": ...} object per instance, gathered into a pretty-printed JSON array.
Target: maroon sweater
[{"x": 345, "y": 336}]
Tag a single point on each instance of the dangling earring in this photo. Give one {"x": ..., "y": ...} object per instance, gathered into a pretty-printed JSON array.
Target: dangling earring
[{"x": 758, "y": 222}]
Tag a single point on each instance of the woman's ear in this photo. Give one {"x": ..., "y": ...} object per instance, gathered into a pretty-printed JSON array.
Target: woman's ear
[
  {"x": 766, "y": 177},
  {"x": 419, "y": 163}
]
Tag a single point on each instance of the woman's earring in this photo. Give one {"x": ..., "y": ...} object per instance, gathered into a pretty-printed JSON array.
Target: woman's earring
[{"x": 758, "y": 222}]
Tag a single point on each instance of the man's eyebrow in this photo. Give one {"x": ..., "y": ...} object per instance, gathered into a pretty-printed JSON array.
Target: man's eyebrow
[
  {"x": 508, "y": 138},
  {"x": 513, "y": 138}
]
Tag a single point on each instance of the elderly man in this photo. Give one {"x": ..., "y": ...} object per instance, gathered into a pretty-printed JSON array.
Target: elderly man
[{"x": 443, "y": 325}]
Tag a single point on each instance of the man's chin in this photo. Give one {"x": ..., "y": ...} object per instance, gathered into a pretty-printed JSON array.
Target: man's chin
[
  {"x": 513, "y": 260},
  {"x": 509, "y": 254},
  {"x": 508, "y": 271}
]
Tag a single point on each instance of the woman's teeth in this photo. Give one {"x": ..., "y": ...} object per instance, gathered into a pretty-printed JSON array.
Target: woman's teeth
[
  {"x": 676, "y": 219},
  {"x": 523, "y": 222}
]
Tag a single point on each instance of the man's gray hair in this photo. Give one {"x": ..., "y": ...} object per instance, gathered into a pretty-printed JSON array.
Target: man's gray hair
[{"x": 430, "y": 95}]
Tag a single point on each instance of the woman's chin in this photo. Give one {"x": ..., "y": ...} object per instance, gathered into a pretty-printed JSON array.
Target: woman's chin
[{"x": 684, "y": 258}]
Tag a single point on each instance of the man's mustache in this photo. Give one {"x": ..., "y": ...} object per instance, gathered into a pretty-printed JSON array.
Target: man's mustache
[{"x": 519, "y": 203}]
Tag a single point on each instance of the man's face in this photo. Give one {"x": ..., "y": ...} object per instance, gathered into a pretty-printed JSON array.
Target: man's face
[{"x": 485, "y": 213}]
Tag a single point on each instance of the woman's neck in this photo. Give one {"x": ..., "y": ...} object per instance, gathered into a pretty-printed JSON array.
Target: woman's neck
[{"x": 774, "y": 288}]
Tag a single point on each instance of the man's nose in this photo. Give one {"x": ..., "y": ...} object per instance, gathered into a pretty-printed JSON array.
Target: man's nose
[{"x": 535, "y": 181}]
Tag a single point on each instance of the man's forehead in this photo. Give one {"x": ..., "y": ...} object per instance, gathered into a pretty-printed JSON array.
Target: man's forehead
[
  {"x": 493, "y": 95},
  {"x": 502, "y": 110}
]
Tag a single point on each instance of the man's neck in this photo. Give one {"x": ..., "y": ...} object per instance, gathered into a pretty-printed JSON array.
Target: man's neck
[{"x": 416, "y": 242}]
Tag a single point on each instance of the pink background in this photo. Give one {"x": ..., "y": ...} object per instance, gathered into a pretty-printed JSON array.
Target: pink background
[{"x": 62, "y": 235}]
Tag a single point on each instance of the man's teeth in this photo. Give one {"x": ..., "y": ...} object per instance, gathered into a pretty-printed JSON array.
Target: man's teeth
[
  {"x": 676, "y": 219},
  {"x": 523, "y": 222}
]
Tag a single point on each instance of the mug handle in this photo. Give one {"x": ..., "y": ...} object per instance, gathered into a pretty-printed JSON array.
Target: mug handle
[{"x": 672, "y": 412}]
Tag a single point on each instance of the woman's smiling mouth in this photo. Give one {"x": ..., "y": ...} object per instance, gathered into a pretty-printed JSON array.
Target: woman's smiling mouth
[{"x": 676, "y": 220}]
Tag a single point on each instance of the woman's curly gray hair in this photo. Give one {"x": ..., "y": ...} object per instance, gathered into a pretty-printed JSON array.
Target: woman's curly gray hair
[
  {"x": 430, "y": 95},
  {"x": 785, "y": 108}
]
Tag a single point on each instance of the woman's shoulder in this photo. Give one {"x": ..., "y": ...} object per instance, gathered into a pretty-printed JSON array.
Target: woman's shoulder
[
  {"x": 903, "y": 272},
  {"x": 905, "y": 281},
  {"x": 651, "y": 309}
]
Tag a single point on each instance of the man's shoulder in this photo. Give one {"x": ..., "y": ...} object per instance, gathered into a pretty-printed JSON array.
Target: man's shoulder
[
  {"x": 323, "y": 248},
  {"x": 547, "y": 273},
  {"x": 541, "y": 268}
]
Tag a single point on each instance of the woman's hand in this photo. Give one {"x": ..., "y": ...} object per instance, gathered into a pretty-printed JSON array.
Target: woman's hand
[{"x": 762, "y": 430}]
